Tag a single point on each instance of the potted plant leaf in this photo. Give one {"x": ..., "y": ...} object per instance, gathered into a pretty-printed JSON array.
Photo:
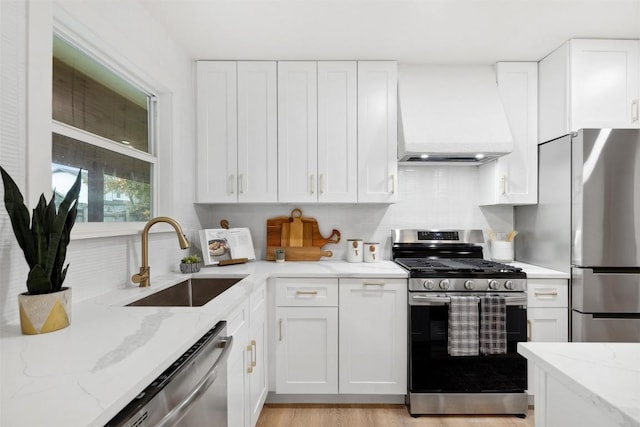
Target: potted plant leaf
[
  {"x": 46, "y": 306},
  {"x": 190, "y": 264}
]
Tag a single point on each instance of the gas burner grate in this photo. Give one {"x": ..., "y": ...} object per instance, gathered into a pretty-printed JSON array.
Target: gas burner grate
[{"x": 472, "y": 265}]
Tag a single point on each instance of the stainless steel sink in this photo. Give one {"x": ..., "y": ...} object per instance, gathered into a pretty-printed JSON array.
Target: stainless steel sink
[{"x": 194, "y": 292}]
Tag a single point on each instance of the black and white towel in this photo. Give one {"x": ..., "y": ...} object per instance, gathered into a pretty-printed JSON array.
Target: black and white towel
[
  {"x": 493, "y": 325},
  {"x": 463, "y": 326}
]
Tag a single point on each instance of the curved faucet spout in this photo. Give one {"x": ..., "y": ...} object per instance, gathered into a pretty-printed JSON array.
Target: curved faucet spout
[{"x": 144, "y": 276}]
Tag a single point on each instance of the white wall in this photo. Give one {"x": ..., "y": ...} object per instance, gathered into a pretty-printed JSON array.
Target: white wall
[
  {"x": 124, "y": 30},
  {"x": 429, "y": 196}
]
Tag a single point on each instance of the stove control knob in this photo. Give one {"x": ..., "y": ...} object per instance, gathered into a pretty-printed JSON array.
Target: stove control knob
[
  {"x": 428, "y": 284},
  {"x": 494, "y": 284},
  {"x": 444, "y": 284},
  {"x": 469, "y": 284},
  {"x": 508, "y": 285}
]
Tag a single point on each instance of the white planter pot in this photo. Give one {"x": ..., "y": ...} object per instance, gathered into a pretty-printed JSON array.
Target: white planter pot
[{"x": 44, "y": 313}]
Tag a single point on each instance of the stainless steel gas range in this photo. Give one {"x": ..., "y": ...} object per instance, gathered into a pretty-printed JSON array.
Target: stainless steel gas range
[{"x": 466, "y": 316}]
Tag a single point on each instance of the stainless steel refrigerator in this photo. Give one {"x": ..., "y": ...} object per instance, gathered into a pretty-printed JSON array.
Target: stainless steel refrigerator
[{"x": 587, "y": 223}]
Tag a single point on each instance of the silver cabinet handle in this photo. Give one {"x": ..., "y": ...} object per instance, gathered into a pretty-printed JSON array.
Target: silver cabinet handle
[
  {"x": 299, "y": 292},
  {"x": 321, "y": 184},
  {"x": 180, "y": 410},
  {"x": 504, "y": 185},
  {"x": 373, "y": 284},
  {"x": 634, "y": 111},
  {"x": 232, "y": 184},
  {"x": 241, "y": 183},
  {"x": 393, "y": 184},
  {"x": 280, "y": 330},
  {"x": 312, "y": 183},
  {"x": 529, "y": 329},
  {"x": 545, "y": 293}
]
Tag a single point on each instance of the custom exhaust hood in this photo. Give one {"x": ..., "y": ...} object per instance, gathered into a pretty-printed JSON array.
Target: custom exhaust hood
[{"x": 450, "y": 115}]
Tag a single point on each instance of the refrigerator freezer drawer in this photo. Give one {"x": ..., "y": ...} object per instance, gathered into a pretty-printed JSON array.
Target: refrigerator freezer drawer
[
  {"x": 594, "y": 292},
  {"x": 587, "y": 327}
]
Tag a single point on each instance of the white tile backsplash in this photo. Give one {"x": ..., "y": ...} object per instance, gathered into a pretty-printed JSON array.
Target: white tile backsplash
[{"x": 429, "y": 196}]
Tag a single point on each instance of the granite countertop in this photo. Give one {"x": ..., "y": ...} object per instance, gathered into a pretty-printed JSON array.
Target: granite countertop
[
  {"x": 84, "y": 374},
  {"x": 605, "y": 374}
]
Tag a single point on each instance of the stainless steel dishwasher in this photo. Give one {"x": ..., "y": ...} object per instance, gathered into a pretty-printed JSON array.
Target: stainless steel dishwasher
[{"x": 191, "y": 392}]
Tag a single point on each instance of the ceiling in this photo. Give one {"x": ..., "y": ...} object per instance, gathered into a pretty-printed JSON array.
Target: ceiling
[{"x": 409, "y": 31}]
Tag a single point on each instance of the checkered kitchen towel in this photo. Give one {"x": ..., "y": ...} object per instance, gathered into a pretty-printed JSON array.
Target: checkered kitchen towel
[
  {"x": 463, "y": 326},
  {"x": 493, "y": 325}
]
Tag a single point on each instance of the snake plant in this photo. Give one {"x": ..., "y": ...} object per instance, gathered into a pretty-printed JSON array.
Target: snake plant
[{"x": 44, "y": 241}]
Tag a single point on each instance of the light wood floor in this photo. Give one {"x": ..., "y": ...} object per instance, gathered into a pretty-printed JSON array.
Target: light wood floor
[{"x": 375, "y": 416}]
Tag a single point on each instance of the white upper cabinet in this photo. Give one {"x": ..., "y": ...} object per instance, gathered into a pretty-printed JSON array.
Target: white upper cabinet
[
  {"x": 217, "y": 133},
  {"x": 236, "y": 132},
  {"x": 297, "y": 131},
  {"x": 337, "y": 131},
  {"x": 377, "y": 131},
  {"x": 257, "y": 132},
  {"x": 317, "y": 139},
  {"x": 589, "y": 84},
  {"x": 513, "y": 178}
]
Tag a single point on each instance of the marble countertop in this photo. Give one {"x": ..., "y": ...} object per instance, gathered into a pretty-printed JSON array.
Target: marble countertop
[
  {"x": 84, "y": 374},
  {"x": 605, "y": 374},
  {"x": 537, "y": 272}
]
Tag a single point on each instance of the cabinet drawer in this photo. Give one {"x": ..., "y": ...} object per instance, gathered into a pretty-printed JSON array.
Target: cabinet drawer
[
  {"x": 373, "y": 282},
  {"x": 306, "y": 292},
  {"x": 547, "y": 293}
]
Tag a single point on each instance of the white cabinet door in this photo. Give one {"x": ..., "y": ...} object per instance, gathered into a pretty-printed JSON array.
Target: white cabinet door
[
  {"x": 337, "y": 131},
  {"x": 513, "y": 179},
  {"x": 217, "y": 142},
  {"x": 238, "y": 362},
  {"x": 377, "y": 131},
  {"x": 306, "y": 349},
  {"x": 257, "y": 179},
  {"x": 547, "y": 316},
  {"x": 257, "y": 350},
  {"x": 548, "y": 324},
  {"x": 604, "y": 84},
  {"x": 297, "y": 131},
  {"x": 588, "y": 83},
  {"x": 373, "y": 336}
]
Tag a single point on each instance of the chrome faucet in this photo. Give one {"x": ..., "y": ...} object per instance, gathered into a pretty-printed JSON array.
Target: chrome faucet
[{"x": 144, "y": 277}]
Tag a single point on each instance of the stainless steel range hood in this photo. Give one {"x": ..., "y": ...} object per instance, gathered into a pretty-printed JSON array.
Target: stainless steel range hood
[{"x": 450, "y": 115}]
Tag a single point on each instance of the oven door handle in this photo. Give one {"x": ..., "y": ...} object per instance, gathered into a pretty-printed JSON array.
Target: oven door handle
[
  {"x": 430, "y": 300},
  {"x": 444, "y": 300}
]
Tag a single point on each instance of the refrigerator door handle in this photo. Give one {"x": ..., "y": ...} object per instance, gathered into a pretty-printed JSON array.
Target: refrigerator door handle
[{"x": 615, "y": 270}]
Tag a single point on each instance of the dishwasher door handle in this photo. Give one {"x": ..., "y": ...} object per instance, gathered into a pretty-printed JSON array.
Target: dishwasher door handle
[{"x": 181, "y": 409}]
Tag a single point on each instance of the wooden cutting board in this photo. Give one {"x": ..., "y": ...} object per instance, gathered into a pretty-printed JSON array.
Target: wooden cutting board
[{"x": 298, "y": 231}]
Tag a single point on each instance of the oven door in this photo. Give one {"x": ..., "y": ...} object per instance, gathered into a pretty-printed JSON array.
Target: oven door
[{"x": 433, "y": 370}]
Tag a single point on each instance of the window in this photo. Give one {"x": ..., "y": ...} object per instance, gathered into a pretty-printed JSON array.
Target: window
[{"x": 103, "y": 125}]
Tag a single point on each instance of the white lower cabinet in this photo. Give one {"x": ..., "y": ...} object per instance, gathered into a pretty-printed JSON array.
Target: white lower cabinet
[
  {"x": 346, "y": 336},
  {"x": 238, "y": 362},
  {"x": 306, "y": 336},
  {"x": 547, "y": 315},
  {"x": 247, "y": 363},
  {"x": 373, "y": 336}
]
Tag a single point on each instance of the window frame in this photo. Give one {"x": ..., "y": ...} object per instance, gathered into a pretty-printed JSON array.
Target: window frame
[{"x": 41, "y": 126}]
